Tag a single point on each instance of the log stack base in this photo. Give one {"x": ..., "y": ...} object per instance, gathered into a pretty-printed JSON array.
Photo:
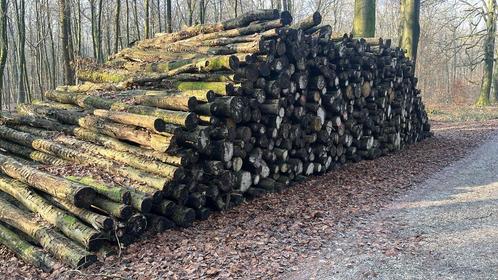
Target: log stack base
[{"x": 197, "y": 121}]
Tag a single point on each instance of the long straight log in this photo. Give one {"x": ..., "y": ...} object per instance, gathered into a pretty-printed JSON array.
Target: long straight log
[
  {"x": 115, "y": 144},
  {"x": 153, "y": 123},
  {"x": 83, "y": 157},
  {"x": 158, "y": 142},
  {"x": 187, "y": 120},
  {"x": 53, "y": 242},
  {"x": 113, "y": 193},
  {"x": 23, "y": 249},
  {"x": 77, "y": 194},
  {"x": 66, "y": 223}
]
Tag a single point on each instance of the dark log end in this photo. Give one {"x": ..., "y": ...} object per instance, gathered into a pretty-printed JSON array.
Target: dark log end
[
  {"x": 126, "y": 212},
  {"x": 191, "y": 121},
  {"x": 146, "y": 205},
  {"x": 95, "y": 243},
  {"x": 317, "y": 18},
  {"x": 126, "y": 198},
  {"x": 192, "y": 102},
  {"x": 233, "y": 62},
  {"x": 108, "y": 224},
  {"x": 179, "y": 174},
  {"x": 83, "y": 197},
  {"x": 285, "y": 18},
  {"x": 159, "y": 125}
]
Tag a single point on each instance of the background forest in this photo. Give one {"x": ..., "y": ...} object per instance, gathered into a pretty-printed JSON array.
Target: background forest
[{"x": 455, "y": 37}]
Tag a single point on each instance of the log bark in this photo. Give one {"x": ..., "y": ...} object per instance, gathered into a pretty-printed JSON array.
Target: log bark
[
  {"x": 65, "y": 222},
  {"x": 50, "y": 240},
  {"x": 77, "y": 194},
  {"x": 23, "y": 249}
]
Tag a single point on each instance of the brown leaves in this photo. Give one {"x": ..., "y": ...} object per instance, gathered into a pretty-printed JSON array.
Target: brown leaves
[{"x": 274, "y": 234}]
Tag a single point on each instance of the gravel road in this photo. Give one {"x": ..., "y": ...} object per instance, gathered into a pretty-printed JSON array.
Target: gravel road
[
  {"x": 444, "y": 228},
  {"x": 342, "y": 225}
]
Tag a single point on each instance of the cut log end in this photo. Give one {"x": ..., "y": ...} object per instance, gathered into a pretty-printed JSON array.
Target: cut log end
[
  {"x": 83, "y": 197},
  {"x": 286, "y": 18}
]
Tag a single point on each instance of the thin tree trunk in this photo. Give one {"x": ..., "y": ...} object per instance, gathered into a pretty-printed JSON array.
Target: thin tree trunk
[
  {"x": 100, "y": 52},
  {"x": 136, "y": 19},
  {"x": 489, "y": 45},
  {"x": 23, "y": 88},
  {"x": 64, "y": 15},
  {"x": 147, "y": 19},
  {"x": 117, "y": 30},
  {"x": 169, "y": 27},
  {"x": 3, "y": 45},
  {"x": 364, "y": 18},
  {"x": 158, "y": 3},
  {"x": 202, "y": 12},
  {"x": 127, "y": 23}
]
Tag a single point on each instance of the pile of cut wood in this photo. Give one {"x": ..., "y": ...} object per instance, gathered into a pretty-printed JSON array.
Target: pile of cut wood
[{"x": 196, "y": 121}]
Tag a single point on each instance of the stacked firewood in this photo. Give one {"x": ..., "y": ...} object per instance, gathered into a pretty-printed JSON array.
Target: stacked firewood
[{"x": 197, "y": 121}]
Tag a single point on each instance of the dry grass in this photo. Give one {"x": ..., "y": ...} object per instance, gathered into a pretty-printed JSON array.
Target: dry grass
[{"x": 459, "y": 113}]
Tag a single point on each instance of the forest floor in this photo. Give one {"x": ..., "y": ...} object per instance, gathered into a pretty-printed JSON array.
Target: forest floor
[{"x": 345, "y": 214}]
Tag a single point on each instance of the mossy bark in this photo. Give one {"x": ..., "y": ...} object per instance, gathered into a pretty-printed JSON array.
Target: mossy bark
[
  {"x": 97, "y": 221},
  {"x": 489, "y": 46},
  {"x": 150, "y": 122},
  {"x": 23, "y": 249},
  {"x": 83, "y": 157},
  {"x": 29, "y": 153},
  {"x": 115, "y": 144},
  {"x": 364, "y": 18},
  {"x": 410, "y": 27},
  {"x": 118, "y": 210},
  {"x": 66, "y": 223},
  {"x": 113, "y": 193},
  {"x": 50, "y": 240},
  {"x": 159, "y": 168},
  {"x": 185, "y": 119},
  {"x": 146, "y": 138},
  {"x": 77, "y": 194}
]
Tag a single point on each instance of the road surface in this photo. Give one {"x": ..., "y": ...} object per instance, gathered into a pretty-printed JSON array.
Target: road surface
[{"x": 445, "y": 228}]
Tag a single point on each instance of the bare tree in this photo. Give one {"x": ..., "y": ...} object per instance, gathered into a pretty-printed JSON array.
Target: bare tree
[
  {"x": 169, "y": 27},
  {"x": 410, "y": 27},
  {"x": 147, "y": 19},
  {"x": 3, "y": 46},
  {"x": 23, "y": 87},
  {"x": 489, "y": 45},
  {"x": 364, "y": 18},
  {"x": 65, "y": 25},
  {"x": 117, "y": 27}
]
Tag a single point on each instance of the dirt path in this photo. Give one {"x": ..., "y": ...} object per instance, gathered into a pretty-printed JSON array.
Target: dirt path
[
  {"x": 281, "y": 234},
  {"x": 445, "y": 228}
]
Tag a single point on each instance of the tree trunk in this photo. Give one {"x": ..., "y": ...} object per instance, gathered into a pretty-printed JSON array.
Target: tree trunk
[
  {"x": 147, "y": 19},
  {"x": 3, "y": 46},
  {"x": 23, "y": 86},
  {"x": 410, "y": 31},
  {"x": 364, "y": 18},
  {"x": 117, "y": 28},
  {"x": 65, "y": 25},
  {"x": 127, "y": 23},
  {"x": 202, "y": 12},
  {"x": 137, "y": 25},
  {"x": 169, "y": 27},
  {"x": 489, "y": 46}
]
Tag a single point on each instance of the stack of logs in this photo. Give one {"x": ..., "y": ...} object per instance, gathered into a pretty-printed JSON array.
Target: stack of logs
[{"x": 197, "y": 121}]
